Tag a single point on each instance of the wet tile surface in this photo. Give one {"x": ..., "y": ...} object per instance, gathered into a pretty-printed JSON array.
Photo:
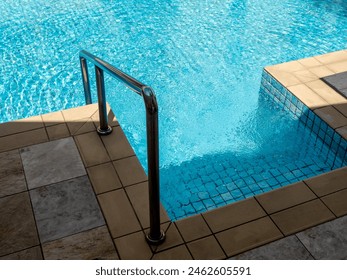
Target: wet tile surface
[
  {"x": 17, "y": 230},
  {"x": 12, "y": 178},
  {"x": 338, "y": 82},
  {"x": 94, "y": 244},
  {"x": 51, "y": 162},
  {"x": 289, "y": 248},
  {"x": 327, "y": 241},
  {"x": 65, "y": 208}
]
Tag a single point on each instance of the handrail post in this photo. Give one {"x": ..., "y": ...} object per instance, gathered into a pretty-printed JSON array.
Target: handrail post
[
  {"x": 155, "y": 236},
  {"x": 104, "y": 128},
  {"x": 85, "y": 78}
]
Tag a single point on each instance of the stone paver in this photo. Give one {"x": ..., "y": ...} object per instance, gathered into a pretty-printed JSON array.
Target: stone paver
[
  {"x": 65, "y": 208},
  {"x": 206, "y": 249},
  {"x": 133, "y": 247},
  {"x": 51, "y": 162},
  {"x": 33, "y": 253},
  {"x": 177, "y": 253},
  {"x": 130, "y": 171},
  {"x": 193, "y": 228}
]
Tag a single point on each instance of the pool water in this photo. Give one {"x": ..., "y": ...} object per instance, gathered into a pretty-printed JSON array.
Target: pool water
[{"x": 204, "y": 59}]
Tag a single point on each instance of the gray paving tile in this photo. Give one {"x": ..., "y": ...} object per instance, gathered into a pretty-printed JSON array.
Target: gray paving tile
[
  {"x": 11, "y": 174},
  {"x": 338, "y": 82},
  {"x": 65, "y": 208},
  {"x": 17, "y": 224},
  {"x": 327, "y": 241},
  {"x": 51, "y": 162},
  {"x": 289, "y": 248},
  {"x": 88, "y": 245}
]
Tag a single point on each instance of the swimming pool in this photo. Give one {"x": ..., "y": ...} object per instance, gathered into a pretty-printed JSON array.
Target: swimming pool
[{"x": 204, "y": 59}]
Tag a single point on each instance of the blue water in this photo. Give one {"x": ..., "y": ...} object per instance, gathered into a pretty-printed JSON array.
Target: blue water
[{"x": 203, "y": 59}]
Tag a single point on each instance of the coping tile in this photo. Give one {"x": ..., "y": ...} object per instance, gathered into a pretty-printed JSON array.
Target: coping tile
[
  {"x": 119, "y": 214},
  {"x": 321, "y": 71},
  {"x": 23, "y": 139},
  {"x": 285, "y": 197},
  {"x": 329, "y": 182},
  {"x": 332, "y": 57},
  {"x": 18, "y": 230},
  {"x": 193, "y": 228},
  {"x": 133, "y": 247},
  {"x": 326, "y": 92},
  {"x": 33, "y": 253},
  {"x": 337, "y": 81},
  {"x": 342, "y": 107},
  {"x": 93, "y": 244},
  {"x": 248, "y": 236},
  {"x": 233, "y": 214},
  {"x": 305, "y": 76},
  {"x": 117, "y": 144},
  {"x": 177, "y": 253},
  {"x": 290, "y": 66},
  {"x": 21, "y": 125},
  {"x": 78, "y": 113},
  {"x": 81, "y": 126},
  {"x": 288, "y": 248},
  {"x": 327, "y": 241},
  {"x": 302, "y": 216},
  {"x": 139, "y": 198},
  {"x": 53, "y": 118},
  {"x": 309, "y": 62},
  {"x": 57, "y": 131},
  {"x": 12, "y": 178},
  {"x": 91, "y": 148},
  {"x": 65, "y": 208},
  {"x": 173, "y": 238},
  {"x": 338, "y": 67},
  {"x": 332, "y": 117},
  {"x": 104, "y": 178},
  {"x": 285, "y": 78},
  {"x": 308, "y": 96},
  {"x": 206, "y": 249},
  {"x": 130, "y": 171},
  {"x": 51, "y": 162},
  {"x": 342, "y": 131},
  {"x": 337, "y": 202}
]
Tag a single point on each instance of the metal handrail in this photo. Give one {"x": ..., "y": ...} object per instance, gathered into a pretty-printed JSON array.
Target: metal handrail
[{"x": 155, "y": 235}]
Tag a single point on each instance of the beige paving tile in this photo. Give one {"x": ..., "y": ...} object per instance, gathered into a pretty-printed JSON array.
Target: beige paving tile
[
  {"x": 301, "y": 217},
  {"x": 233, "y": 214},
  {"x": 20, "y": 125},
  {"x": 81, "y": 126},
  {"x": 321, "y": 71},
  {"x": 111, "y": 118},
  {"x": 206, "y": 249},
  {"x": 332, "y": 117},
  {"x": 309, "y": 62},
  {"x": 94, "y": 244},
  {"x": 285, "y": 197},
  {"x": 53, "y": 118},
  {"x": 133, "y": 247},
  {"x": 329, "y": 182},
  {"x": 337, "y": 202},
  {"x": 248, "y": 236},
  {"x": 57, "y": 131},
  {"x": 305, "y": 76},
  {"x": 342, "y": 131},
  {"x": 332, "y": 57},
  {"x": 308, "y": 96},
  {"x": 33, "y": 253},
  {"x": 177, "y": 253},
  {"x": 285, "y": 78},
  {"x": 23, "y": 139},
  {"x": 342, "y": 107},
  {"x": 119, "y": 214},
  {"x": 173, "y": 238},
  {"x": 193, "y": 228},
  {"x": 117, "y": 144},
  {"x": 291, "y": 66},
  {"x": 80, "y": 112},
  {"x": 338, "y": 67},
  {"x": 139, "y": 198},
  {"x": 91, "y": 149},
  {"x": 326, "y": 92},
  {"x": 130, "y": 171},
  {"x": 104, "y": 178},
  {"x": 18, "y": 229}
]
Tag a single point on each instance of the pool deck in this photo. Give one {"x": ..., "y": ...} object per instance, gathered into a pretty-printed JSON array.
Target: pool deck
[{"x": 67, "y": 193}]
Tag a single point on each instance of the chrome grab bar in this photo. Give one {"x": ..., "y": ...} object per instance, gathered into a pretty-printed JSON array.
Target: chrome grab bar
[{"x": 155, "y": 235}]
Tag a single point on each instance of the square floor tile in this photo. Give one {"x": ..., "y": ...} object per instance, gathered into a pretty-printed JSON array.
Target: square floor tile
[
  {"x": 17, "y": 224},
  {"x": 51, "y": 162},
  {"x": 327, "y": 241},
  {"x": 206, "y": 249},
  {"x": 33, "y": 253},
  {"x": 88, "y": 245},
  {"x": 11, "y": 174},
  {"x": 177, "y": 253},
  {"x": 65, "y": 208},
  {"x": 133, "y": 247}
]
